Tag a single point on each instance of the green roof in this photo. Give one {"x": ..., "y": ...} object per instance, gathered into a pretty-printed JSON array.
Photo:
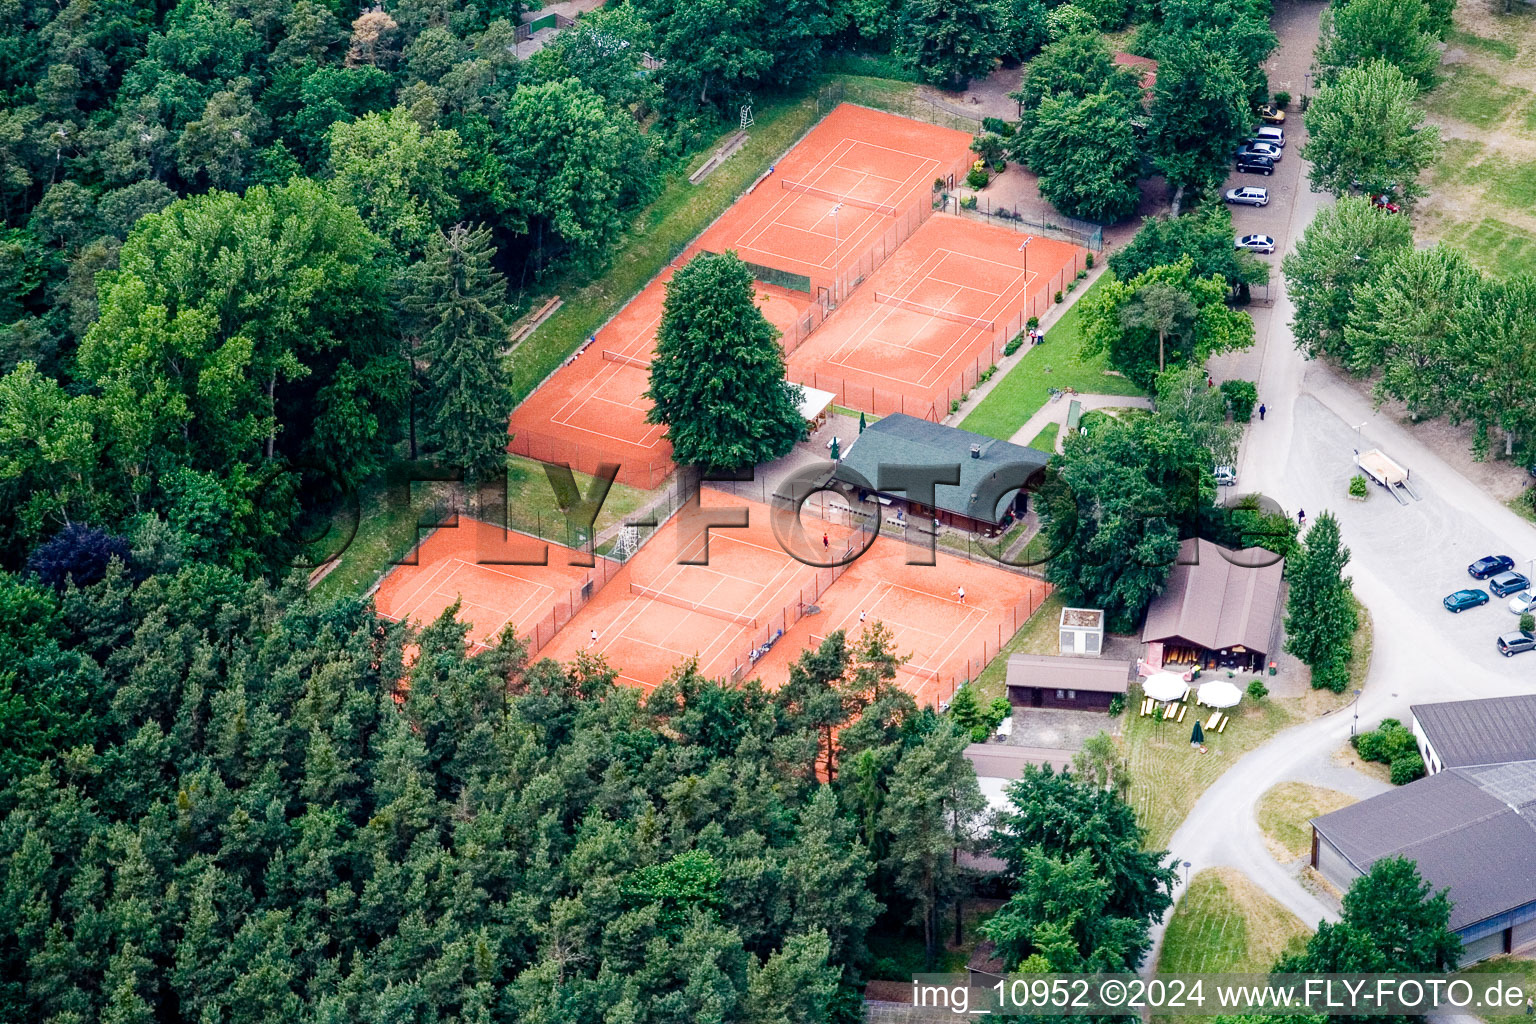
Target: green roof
[{"x": 907, "y": 440}]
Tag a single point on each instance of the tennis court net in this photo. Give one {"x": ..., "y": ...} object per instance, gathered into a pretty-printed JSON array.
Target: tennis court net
[
  {"x": 943, "y": 314},
  {"x": 619, "y": 357},
  {"x": 863, "y": 204},
  {"x": 693, "y": 606}
]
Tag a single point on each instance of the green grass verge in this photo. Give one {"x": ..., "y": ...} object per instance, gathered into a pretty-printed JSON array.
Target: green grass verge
[
  {"x": 1361, "y": 645},
  {"x": 1522, "y": 967},
  {"x": 1474, "y": 96},
  {"x": 1223, "y": 923},
  {"x": 1060, "y": 363},
  {"x": 1284, "y": 811},
  {"x": 1503, "y": 250},
  {"x": 1045, "y": 441},
  {"x": 387, "y": 530}
]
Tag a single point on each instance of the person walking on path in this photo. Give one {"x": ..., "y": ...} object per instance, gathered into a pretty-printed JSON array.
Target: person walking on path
[
  {"x": 1301, "y": 517},
  {"x": 1261, "y": 412}
]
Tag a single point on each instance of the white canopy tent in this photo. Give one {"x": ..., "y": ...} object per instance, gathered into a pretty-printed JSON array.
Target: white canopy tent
[
  {"x": 1218, "y": 694},
  {"x": 1165, "y": 686}
]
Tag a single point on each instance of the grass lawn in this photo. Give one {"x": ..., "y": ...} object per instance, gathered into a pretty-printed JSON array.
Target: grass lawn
[
  {"x": 1482, "y": 188},
  {"x": 1283, "y": 813},
  {"x": 1361, "y": 646},
  {"x": 1045, "y": 441},
  {"x": 1224, "y": 923},
  {"x": 1168, "y": 776},
  {"x": 1059, "y": 363},
  {"x": 387, "y": 530},
  {"x": 1519, "y": 966},
  {"x": 1474, "y": 96}
]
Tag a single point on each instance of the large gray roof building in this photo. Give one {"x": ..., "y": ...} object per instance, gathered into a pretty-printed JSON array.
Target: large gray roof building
[{"x": 1470, "y": 825}]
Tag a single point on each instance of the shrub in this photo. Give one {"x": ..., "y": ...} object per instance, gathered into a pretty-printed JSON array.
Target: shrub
[
  {"x": 1257, "y": 690},
  {"x": 1000, "y": 166},
  {"x": 954, "y": 405},
  {"x": 938, "y": 184},
  {"x": 1386, "y": 743},
  {"x": 1088, "y": 261},
  {"x": 977, "y": 178},
  {"x": 968, "y": 203},
  {"x": 1406, "y": 768},
  {"x": 1116, "y": 704},
  {"x": 1306, "y": 101},
  {"x": 988, "y": 146},
  {"x": 998, "y": 126},
  {"x": 1082, "y": 274},
  {"x": 1032, "y": 322},
  {"x": 1058, "y": 297},
  {"x": 1013, "y": 345},
  {"x": 1070, "y": 285},
  {"x": 1241, "y": 396},
  {"x": 1282, "y": 100},
  {"x": 1358, "y": 487},
  {"x": 1528, "y": 622}
]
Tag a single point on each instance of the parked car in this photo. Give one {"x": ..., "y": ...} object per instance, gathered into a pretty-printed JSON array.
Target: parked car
[
  {"x": 1506, "y": 583},
  {"x": 1253, "y": 147},
  {"x": 1255, "y": 243},
  {"x": 1515, "y": 643},
  {"x": 1252, "y": 195},
  {"x": 1464, "y": 599},
  {"x": 1522, "y": 602},
  {"x": 1490, "y": 565},
  {"x": 1270, "y": 134},
  {"x": 1271, "y": 114},
  {"x": 1226, "y": 476},
  {"x": 1255, "y": 164}
]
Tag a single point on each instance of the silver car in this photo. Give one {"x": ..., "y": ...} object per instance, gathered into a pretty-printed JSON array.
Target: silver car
[
  {"x": 1255, "y": 243},
  {"x": 1270, "y": 134},
  {"x": 1522, "y": 602},
  {"x": 1248, "y": 195},
  {"x": 1256, "y": 148}
]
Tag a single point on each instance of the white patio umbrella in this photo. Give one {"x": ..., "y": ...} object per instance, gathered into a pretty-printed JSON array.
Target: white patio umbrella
[
  {"x": 1165, "y": 686},
  {"x": 1218, "y": 694}
]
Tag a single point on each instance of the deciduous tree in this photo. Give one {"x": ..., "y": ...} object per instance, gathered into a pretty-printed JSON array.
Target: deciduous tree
[
  {"x": 1365, "y": 131},
  {"x": 1400, "y": 32}
]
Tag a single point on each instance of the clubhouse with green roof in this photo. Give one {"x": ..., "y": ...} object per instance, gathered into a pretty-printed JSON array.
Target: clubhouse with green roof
[{"x": 987, "y": 480}]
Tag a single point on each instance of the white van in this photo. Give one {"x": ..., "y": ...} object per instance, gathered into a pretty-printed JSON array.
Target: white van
[{"x": 1271, "y": 134}]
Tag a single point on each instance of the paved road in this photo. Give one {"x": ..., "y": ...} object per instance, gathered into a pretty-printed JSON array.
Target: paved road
[{"x": 1404, "y": 558}]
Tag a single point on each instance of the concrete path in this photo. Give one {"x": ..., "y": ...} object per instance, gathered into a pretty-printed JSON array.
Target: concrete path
[{"x": 1056, "y": 412}]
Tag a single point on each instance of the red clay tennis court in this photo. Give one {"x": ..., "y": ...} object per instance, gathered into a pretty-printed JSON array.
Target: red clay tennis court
[
  {"x": 658, "y": 612},
  {"x": 592, "y": 410},
  {"x": 495, "y": 575},
  {"x": 933, "y": 317},
  {"x": 839, "y": 193},
  {"x": 949, "y": 641}
]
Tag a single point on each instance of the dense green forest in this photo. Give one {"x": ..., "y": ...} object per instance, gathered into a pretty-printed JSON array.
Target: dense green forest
[{"x": 244, "y": 806}]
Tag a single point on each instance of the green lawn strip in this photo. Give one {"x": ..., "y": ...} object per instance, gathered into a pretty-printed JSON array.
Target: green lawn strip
[
  {"x": 1503, "y": 250},
  {"x": 387, "y": 530},
  {"x": 1045, "y": 441},
  {"x": 1361, "y": 645},
  {"x": 1521, "y": 967},
  {"x": 1284, "y": 811},
  {"x": 1499, "y": 48},
  {"x": 1515, "y": 185},
  {"x": 1038, "y": 635},
  {"x": 679, "y": 215},
  {"x": 1059, "y": 363},
  {"x": 1223, "y": 923},
  {"x": 1168, "y": 775}
]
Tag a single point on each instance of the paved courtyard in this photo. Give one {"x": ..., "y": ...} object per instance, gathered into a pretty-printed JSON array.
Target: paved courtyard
[{"x": 1058, "y": 729}]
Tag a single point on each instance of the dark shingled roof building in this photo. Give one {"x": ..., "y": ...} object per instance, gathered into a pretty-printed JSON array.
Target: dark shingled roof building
[
  {"x": 989, "y": 470},
  {"x": 1044, "y": 681},
  {"x": 1219, "y": 607},
  {"x": 1470, "y": 826}
]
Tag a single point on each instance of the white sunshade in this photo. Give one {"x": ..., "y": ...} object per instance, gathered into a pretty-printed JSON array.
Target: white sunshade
[
  {"x": 1219, "y": 694},
  {"x": 1165, "y": 686}
]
